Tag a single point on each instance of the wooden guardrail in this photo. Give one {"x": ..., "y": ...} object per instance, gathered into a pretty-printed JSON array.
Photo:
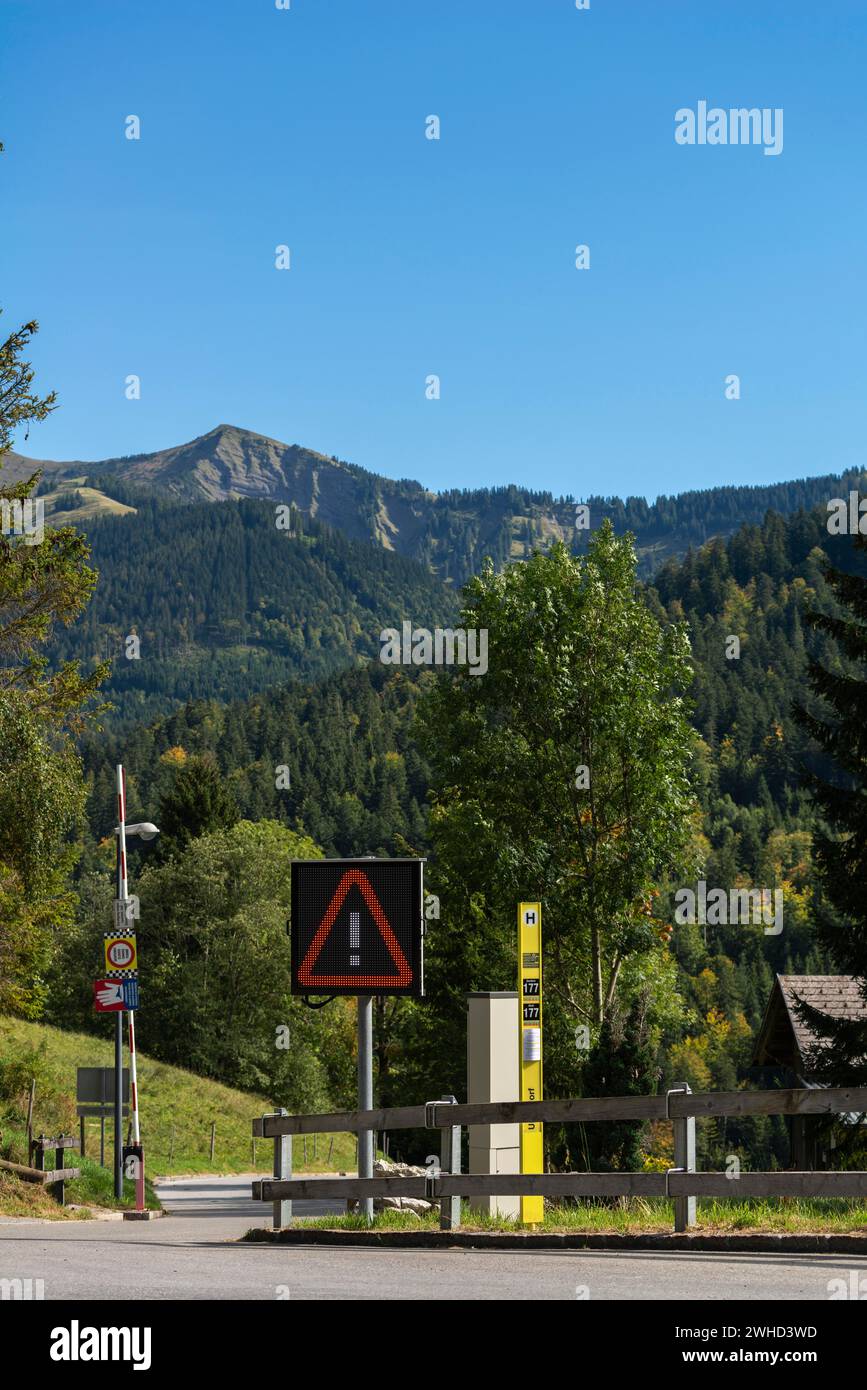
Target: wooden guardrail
[
  {"x": 681, "y": 1104},
  {"x": 681, "y": 1182},
  {"x": 48, "y": 1177}
]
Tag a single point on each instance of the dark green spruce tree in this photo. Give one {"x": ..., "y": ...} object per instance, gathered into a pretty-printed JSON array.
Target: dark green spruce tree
[
  {"x": 198, "y": 802},
  {"x": 622, "y": 1063},
  {"x": 837, "y": 721}
]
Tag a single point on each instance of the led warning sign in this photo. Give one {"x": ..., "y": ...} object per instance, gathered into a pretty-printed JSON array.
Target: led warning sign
[{"x": 357, "y": 926}]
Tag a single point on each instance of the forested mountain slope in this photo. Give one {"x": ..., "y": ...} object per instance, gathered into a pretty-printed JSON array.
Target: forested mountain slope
[
  {"x": 341, "y": 749},
  {"x": 753, "y": 587},
  {"x": 451, "y": 531},
  {"x": 224, "y": 604},
  {"x": 336, "y": 734}
]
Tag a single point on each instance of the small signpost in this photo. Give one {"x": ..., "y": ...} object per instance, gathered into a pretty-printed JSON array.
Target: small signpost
[
  {"x": 115, "y": 996},
  {"x": 94, "y": 1089},
  {"x": 530, "y": 1037},
  {"x": 126, "y": 913},
  {"x": 120, "y": 952},
  {"x": 94, "y": 1092}
]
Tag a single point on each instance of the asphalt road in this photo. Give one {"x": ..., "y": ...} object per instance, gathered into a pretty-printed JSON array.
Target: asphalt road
[{"x": 192, "y": 1254}]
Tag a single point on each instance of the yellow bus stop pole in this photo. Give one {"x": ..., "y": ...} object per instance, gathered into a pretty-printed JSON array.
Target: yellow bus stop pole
[{"x": 530, "y": 1053}]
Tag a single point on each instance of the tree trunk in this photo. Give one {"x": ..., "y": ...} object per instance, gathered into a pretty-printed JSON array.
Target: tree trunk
[{"x": 596, "y": 962}]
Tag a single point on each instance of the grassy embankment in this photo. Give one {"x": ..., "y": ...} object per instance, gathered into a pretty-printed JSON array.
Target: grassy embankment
[{"x": 177, "y": 1111}]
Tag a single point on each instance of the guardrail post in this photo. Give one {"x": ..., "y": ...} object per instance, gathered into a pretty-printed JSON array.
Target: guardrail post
[
  {"x": 450, "y": 1162},
  {"x": 684, "y": 1158},
  {"x": 282, "y": 1169},
  {"x": 366, "y": 1137},
  {"x": 59, "y": 1188}
]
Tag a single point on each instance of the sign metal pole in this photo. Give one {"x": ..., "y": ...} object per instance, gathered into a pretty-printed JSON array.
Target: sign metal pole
[
  {"x": 123, "y": 898},
  {"x": 118, "y": 1023},
  {"x": 365, "y": 1096}
]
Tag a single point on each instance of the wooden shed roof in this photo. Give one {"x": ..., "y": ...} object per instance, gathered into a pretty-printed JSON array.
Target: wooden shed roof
[{"x": 784, "y": 1040}]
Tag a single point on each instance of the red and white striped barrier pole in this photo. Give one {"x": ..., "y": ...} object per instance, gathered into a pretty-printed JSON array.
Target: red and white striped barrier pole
[{"x": 136, "y": 1138}]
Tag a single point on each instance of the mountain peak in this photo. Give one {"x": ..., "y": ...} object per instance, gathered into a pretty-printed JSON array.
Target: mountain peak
[
  {"x": 237, "y": 432},
  {"x": 228, "y": 428}
]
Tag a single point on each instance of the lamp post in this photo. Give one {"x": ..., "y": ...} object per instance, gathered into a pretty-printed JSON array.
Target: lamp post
[{"x": 144, "y": 830}]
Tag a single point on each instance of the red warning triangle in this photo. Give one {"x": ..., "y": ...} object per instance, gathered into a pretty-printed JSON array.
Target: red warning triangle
[{"x": 323, "y": 931}]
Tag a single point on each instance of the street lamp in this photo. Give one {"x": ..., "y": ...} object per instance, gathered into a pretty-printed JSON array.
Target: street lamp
[{"x": 144, "y": 830}]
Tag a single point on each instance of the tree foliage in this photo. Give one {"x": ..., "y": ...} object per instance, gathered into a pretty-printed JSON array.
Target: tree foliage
[
  {"x": 41, "y": 783},
  {"x": 563, "y": 773},
  {"x": 198, "y": 803},
  {"x": 837, "y": 720}
]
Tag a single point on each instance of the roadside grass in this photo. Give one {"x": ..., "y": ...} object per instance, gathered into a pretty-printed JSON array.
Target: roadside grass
[
  {"x": 177, "y": 1111},
  {"x": 382, "y": 1221},
  {"x": 19, "y": 1198},
  {"x": 94, "y": 1188},
  {"x": 639, "y": 1216}
]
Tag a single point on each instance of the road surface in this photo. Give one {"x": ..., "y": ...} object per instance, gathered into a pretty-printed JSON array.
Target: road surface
[{"x": 192, "y": 1254}]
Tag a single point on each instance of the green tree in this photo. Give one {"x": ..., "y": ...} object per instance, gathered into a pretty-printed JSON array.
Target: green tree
[
  {"x": 838, "y": 723},
  {"x": 199, "y": 802},
  {"x": 19, "y": 403},
  {"x": 622, "y": 1063},
  {"x": 42, "y": 798},
  {"x": 41, "y": 584},
  {"x": 44, "y": 579},
  {"x": 562, "y": 774}
]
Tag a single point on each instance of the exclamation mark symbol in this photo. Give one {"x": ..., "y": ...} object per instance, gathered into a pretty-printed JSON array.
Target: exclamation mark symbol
[{"x": 354, "y": 938}]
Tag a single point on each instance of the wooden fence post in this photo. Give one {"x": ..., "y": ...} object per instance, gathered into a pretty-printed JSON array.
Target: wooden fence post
[
  {"x": 30, "y": 1121},
  {"x": 60, "y": 1187}
]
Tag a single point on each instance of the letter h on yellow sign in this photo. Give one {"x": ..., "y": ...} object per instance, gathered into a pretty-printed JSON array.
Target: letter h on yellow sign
[{"x": 530, "y": 1057}]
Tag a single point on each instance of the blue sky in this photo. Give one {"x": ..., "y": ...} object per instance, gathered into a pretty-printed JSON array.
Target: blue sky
[{"x": 413, "y": 257}]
